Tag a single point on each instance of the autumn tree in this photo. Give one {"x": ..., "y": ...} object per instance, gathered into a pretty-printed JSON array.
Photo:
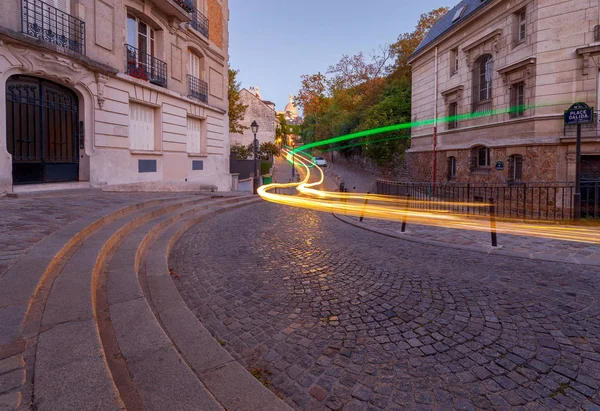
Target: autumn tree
[
  {"x": 237, "y": 109},
  {"x": 407, "y": 43}
]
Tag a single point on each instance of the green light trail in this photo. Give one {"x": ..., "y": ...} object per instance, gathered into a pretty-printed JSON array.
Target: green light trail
[{"x": 405, "y": 126}]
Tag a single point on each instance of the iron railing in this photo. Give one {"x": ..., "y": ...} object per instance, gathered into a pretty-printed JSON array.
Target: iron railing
[
  {"x": 539, "y": 201},
  {"x": 199, "y": 22},
  {"x": 145, "y": 67},
  {"x": 482, "y": 106},
  {"x": 197, "y": 89},
  {"x": 49, "y": 24}
]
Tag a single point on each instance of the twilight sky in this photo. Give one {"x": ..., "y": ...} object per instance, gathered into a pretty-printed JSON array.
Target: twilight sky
[{"x": 274, "y": 42}]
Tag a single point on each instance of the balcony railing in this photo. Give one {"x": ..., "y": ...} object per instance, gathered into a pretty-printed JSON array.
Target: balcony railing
[
  {"x": 145, "y": 67},
  {"x": 47, "y": 23},
  {"x": 197, "y": 89},
  {"x": 199, "y": 22}
]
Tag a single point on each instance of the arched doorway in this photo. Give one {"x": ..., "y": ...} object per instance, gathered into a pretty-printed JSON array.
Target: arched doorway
[{"x": 42, "y": 131}]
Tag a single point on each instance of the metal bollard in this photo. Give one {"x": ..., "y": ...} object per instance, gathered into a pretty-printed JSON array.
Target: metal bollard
[
  {"x": 362, "y": 215},
  {"x": 405, "y": 215},
  {"x": 493, "y": 223}
]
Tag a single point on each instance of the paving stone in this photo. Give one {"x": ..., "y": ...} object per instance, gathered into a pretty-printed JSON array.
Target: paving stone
[
  {"x": 318, "y": 392},
  {"x": 493, "y": 343}
]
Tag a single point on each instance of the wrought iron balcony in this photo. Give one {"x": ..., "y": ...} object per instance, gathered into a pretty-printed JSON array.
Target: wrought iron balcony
[
  {"x": 199, "y": 22},
  {"x": 47, "y": 23},
  {"x": 145, "y": 67},
  {"x": 197, "y": 89}
]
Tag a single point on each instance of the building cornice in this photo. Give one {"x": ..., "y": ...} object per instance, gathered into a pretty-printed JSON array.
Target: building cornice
[{"x": 517, "y": 65}]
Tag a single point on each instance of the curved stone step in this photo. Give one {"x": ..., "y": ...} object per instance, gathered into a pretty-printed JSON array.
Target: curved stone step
[
  {"x": 157, "y": 377},
  {"x": 232, "y": 385},
  {"x": 24, "y": 289},
  {"x": 70, "y": 366}
]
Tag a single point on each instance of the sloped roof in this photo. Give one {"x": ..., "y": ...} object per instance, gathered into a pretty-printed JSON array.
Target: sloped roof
[{"x": 445, "y": 23}]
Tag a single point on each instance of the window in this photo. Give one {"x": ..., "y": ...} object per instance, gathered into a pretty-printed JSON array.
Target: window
[
  {"x": 459, "y": 13},
  {"x": 480, "y": 157},
  {"x": 194, "y": 136},
  {"x": 453, "y": 61},
  {"x": 451, "y": 168},
  {"x": 140, "y": 36},
  {"x": 521, "y": 25},
  {"x": 515, "y": 168},
  {"x": 517, "y": 100},
  {"x": 452, "y": 113},
  {"x": 195, "y": 65},
  {"x": 482, "y": 83},
  {"x": 141, "y": 127}
]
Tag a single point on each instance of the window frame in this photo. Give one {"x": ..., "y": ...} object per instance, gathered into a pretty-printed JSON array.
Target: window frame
[
  {"x": 483, "y": 74},
  {"x": 515, "y": 169},
  {"x": 480, "y": 158},
  {"x": 150, "y": 35},
  {"x": 454, "y": 61},
  {"x": 452, "y": 113},
  {"x": 517, "y": 100},
  {"x": 521, "y": 33},
  {"x": 451, "y": 168}
]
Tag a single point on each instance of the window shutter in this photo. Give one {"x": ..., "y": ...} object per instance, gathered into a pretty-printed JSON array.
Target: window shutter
[
  {"x": 194, "y": 65},
  {"x": 511, "y": 169},
  {"x": 62, "y": 5},
  {"x": 141, "y": 127},
  {"x": 194, "y": 142},
  {"x": 449, "y": 167},
  {"x": 518, "y": 168},
  {"x": 473, "y": 160}
]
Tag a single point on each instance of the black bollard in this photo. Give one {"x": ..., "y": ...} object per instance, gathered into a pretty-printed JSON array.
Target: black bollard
[
  {"x": 405, "y": 215},
  {"x": 493, "y": 223},
  {"x": 362, "y": 215}
]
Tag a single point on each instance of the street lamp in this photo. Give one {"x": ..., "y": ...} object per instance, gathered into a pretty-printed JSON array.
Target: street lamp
[
  {"x": 293, "y": 160},
  {"x": 254, "y": 127}
]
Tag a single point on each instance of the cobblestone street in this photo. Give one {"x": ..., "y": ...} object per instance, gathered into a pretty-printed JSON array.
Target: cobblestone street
[{"x": 331, "y": 316}]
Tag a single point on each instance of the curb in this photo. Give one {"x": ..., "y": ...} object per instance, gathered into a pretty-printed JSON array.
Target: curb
[{"x": 491, "y": 251}]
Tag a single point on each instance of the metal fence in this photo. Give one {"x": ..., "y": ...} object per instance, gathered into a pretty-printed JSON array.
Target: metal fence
[
  {"x": 47, "y": 23},
  {"x": 146, "y": 67},
  {"x": 540, "y": 201},
  {"x": 197, "y": 89},
  {"x": 199, "y": 22}
]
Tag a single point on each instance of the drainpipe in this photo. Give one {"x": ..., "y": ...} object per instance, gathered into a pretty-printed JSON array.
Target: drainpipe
[{"x": 435, "y": 113}]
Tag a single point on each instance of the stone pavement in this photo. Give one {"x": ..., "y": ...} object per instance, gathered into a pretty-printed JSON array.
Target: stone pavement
[
  {"x": 509, "y": 245},
  {"x": 333, "y": 317},
  {"x": 26, "y": 221}
]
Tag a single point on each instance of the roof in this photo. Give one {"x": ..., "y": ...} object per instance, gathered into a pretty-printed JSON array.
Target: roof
[{"x": 446, "y": 23}]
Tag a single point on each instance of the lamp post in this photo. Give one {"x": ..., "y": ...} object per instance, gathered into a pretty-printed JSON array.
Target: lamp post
[
  {"x": 293, "y": 161},
  {"x": 254, "y": 127}
]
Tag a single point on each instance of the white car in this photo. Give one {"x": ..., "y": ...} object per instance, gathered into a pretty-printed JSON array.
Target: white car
[{"x": 320, "y": 161}]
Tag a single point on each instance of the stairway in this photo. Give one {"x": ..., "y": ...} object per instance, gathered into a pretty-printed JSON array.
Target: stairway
[{"x": 93, "y": 319}]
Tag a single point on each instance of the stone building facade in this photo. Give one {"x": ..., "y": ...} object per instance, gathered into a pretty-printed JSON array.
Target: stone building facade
[
  {"x": 498, "y": 75},
  {"x": 259, "y": 110},
  {"x": 113, "y": 91}
]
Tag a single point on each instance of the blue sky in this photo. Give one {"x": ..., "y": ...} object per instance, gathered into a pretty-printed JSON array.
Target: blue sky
[{"x": 274, "y": 42}]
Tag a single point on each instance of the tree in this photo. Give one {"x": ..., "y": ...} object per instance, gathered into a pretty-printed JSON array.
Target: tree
[
  {"x": 237, "y": 109},
  {"x": 311, "y": 97},
  {"x": 407, "y": 43},
  {"x": 242, "y": 151}
]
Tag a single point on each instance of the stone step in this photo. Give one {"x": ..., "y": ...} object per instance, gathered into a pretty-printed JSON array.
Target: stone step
[
  {"x": 151, "y": 371},
  {"x": 25, "y": 286},
  {"x": 70, "y": 366},
  {"x": 232, "y": 385}
]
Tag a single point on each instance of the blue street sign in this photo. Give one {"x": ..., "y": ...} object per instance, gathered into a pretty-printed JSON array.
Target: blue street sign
[{"x": 579, "y": 113}]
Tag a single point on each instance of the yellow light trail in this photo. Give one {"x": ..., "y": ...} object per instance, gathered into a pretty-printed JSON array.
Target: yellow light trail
[{"x": 386, "y": 208}]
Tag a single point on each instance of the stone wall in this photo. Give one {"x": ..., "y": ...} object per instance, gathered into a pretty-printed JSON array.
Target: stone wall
[
  {"x": 540, "y": 164},
  {"x": 257, "y": 111}
]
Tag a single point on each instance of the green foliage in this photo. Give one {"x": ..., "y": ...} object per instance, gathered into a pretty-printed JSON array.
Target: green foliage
[
  {"x": 268, "y": 150},
  {"x": 242, "y": 151},
  {"x": 237, "y": 110},
  {"x": 361, "y": 93}
]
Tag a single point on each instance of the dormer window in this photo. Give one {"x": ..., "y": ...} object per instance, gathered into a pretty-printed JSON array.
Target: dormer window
[{"x": 459, "y": 13}]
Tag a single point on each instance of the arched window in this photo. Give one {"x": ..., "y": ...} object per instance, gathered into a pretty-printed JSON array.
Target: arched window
[
  {"x": 196, "y": 65},
  {"x": 480, "y": 157},
  {"x": 515, "y": 168},
  {"x": 482, "y": 83}
]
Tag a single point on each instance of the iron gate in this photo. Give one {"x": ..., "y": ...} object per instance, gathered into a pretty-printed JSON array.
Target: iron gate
[{"x": 42, "y": 131}]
